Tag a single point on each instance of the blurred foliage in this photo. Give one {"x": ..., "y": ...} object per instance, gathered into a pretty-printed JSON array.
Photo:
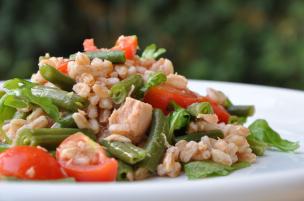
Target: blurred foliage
[{"x": 244, "y": 41}]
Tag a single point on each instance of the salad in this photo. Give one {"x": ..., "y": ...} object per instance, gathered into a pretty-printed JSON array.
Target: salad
[{"x": 112, "y": 114}]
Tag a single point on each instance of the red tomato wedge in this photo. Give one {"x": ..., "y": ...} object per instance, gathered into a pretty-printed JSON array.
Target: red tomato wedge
[
  {"x": 160, "y": 96},
  {"x": 85, "y": 160},
  {"x": 89, "y": 45},
  {"x": 63, "y": 68},
  {"x": 128, "y": 44},
  {"x": 30, "y": 163}
]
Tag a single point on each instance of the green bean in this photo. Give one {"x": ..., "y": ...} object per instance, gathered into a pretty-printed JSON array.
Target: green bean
[
  {"x": 115, "y": 56},
  {"x": 65, "y": 122},
  {"x": 227, "y": 103},
  {"x": 124, "y": 171},
  {"x": 66, "y": 100},
  {"x": 48, "y": 138},
  {"x": 197, "y": 136},
  {"x": 125, "y": 151},
  {"x": 4, "y": 147},
  {"x": 199, "y": 108},
  {"x": 237, "y": 120},
  {"x": 52, "y": 75},
  {"x": 120, "y": 91},
  {"x": 241, "y": 110},
  {"x": 155, "y": 146}
]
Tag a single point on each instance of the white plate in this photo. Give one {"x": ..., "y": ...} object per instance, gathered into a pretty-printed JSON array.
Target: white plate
[{"x": 276, "y": 176}]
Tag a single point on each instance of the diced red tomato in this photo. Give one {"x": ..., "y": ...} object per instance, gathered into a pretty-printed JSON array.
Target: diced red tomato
[
  {"x": 30, "y": 163},
  {"x": 128, "y": 44},
  {"x": 89, "y": 45},
  {"x": 221, "y": 112},
  {"x": 160, "y": 96},
  {"x": 85, "y": 160},
  {"x": 63, "y": 68}
]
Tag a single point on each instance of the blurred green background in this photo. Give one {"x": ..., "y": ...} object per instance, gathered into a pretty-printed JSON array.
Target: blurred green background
[{"x": 242, "y": 41}]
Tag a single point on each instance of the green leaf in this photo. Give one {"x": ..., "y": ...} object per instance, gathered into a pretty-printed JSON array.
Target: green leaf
[
  {"x": 178, "y": 119},
  {"x": 15, "y": 102},
  {"x": 200, "y": 108},
  {"x": 22, "y": 89},
  {"x": 258, "y": 147},
  {"x": 154, "y": 79},
  {"x": 6, "y": 112},
  {"x": 202, "y": 169},
  {"x": 46, "y": 104},
  {"x": 17, "y": 83},
  {"x": 262, "y": 132},
  {"x": 151, "y": 52}
]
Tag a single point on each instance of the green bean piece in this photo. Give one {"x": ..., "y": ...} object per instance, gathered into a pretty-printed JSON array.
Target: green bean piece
[
  {"x": 237, "y": 120},
  {"x": 66, "y": 100},
  {"x": 197, "y": 136},
  {"x": 65, "y": 122},
  {"x": 156, "y": 144},
  {"x": 227, "y": 103},
  {"x": 52, "y": 75},
  {"x": 124, "y": 171},
  {"x": 115, "y": 56},
  {"x": 4, "y": 147},
  {"x": 49, "y": 138},
  {"x": 120, "y": 91},
  {"x": 125, "y": 151},
  {"x": 241, "y": 110},
  {"x": 199, "y": 108}
]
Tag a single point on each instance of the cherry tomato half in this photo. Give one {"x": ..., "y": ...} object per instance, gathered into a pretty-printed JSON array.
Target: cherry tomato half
[
  {"x": 128, "y": 44},
  {"x": 85, "y": 160},
  {"x": 89, "y": 45},
  {"x": 63, "y": 68},
  {"x": 30, "y": 163}
]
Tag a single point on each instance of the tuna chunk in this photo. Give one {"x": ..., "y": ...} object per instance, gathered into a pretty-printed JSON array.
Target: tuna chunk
[{"x": 132, "y": 119}]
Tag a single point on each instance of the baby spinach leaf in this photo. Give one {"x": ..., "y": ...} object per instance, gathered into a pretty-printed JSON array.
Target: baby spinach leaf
[
  {"x": 154, "y": 79},
  {"x": 262, "y": 132},
  {"x": 15, "y": 102},
  {"x": 202, "y": 169},
  {"x": 6, "y": 112},
  {"x": 22, "y": 89},
  {"x": 178, "y": 119},
  {"x": 151, "y": 52}
]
